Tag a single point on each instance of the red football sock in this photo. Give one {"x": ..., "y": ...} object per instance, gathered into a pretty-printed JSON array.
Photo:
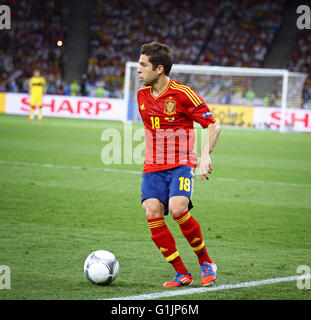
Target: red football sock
[
  {"x": 192, "y": 232},
  {"x": 164, "y": 240}
]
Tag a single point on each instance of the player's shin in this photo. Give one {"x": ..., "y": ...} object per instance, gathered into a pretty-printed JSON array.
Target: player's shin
[
  {"x": 40, "y": 113},
  {"x": 32, "y": 110},
  {"x": 164, "y": 240},
  {"x": 192, "y": 232}
]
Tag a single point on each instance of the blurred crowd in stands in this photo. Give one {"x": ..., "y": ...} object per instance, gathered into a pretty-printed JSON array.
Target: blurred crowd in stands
[
  {"x": 32, "y": 44},
  {"x": 115, "y": 26},
  {"x": 300, "y": 61},
  {"x": 219, "y": 32},
  {"x": 244, "y": 33}
]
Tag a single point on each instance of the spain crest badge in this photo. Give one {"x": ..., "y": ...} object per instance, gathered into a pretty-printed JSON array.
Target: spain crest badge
[{"x": 170, "y": 107}]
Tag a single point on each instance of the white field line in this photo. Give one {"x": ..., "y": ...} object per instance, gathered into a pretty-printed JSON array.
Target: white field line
[
  {"x": 47, "y": 165},
  {"x": 181, "y": 292},
  {"x": 185, "y": 291}
]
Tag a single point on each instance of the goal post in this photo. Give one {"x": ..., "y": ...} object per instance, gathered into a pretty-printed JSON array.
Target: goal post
[{"x": 237, "y": 96}]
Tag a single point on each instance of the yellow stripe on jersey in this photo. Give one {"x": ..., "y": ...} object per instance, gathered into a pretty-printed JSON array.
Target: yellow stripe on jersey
[
  {"x": 172, "y": 256},
  {"x": 143, "y": 88},
  {"x": 193, "y": 93},
  {"x": 184, "y": 218},
  {"x": 189, "y": 92},
  {"x": 196, "y": 101},
  {"x": 190, "y": 96}
]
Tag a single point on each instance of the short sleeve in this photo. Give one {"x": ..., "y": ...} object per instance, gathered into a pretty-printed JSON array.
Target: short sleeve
[
  {"x": 196, "y": 108},
  {"x": 203, "y": 115}
]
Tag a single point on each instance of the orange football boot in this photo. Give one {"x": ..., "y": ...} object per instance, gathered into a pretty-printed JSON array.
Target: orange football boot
[
  {"x": 208, "y": 273},
  {"x": 180, "y": 280}
]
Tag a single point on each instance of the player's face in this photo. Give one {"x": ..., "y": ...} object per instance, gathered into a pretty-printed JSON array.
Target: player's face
[
  {"x": 146, "y": 74},
  {"x": 36, "y": 73}
]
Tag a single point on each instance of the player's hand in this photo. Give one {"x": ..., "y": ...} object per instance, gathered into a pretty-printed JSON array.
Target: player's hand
[{"x": 205, "y": 167}]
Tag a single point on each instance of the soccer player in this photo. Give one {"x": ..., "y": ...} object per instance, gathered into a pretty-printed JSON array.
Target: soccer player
[
  {"x": 37, "y": 89},
  {"x": 169, "y": 109}
]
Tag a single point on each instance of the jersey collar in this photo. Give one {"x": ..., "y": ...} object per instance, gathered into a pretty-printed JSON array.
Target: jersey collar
[{"x": 162, "y": 93}]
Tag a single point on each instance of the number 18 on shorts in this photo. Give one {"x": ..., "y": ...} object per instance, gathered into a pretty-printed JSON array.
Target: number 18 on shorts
[{"x": 165, "y": 184}]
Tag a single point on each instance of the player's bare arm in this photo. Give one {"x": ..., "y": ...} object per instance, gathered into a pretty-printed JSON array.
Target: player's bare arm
[{"x": 212, "y": 135}]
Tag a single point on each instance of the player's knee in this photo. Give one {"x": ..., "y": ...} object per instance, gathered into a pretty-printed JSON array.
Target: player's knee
[
  {"x": 152, "y": 213},
  {"x": 154, "y": 209},
  {"x": 177, "y": 210},
  {"x": 178, "y": 205}
]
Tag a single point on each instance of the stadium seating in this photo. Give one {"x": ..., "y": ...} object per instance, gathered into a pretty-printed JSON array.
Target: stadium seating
[
  {"x": 244, "y": 33},
  {"x": 32, "y": 43},
  {"x": 118, "y": 30},
  {"x": 242, "y": 36},
  {"x": 300, "y": 61}
]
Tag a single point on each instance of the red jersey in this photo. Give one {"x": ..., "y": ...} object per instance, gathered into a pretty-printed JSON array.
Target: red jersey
[{"x": 168, "y": 120}]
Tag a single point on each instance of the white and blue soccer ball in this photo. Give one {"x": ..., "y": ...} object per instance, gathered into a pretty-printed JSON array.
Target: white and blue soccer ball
[{"x": 101, "y": 267}]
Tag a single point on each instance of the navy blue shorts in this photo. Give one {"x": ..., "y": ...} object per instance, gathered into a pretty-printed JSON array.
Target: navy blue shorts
[{"x": 165, "y": 184}]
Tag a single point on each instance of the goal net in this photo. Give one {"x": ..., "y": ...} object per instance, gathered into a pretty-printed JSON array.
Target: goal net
[{"x": 245, "y": 97}]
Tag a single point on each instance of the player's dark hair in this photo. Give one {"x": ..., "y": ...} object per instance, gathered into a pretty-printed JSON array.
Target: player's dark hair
[{"x": 159, "y": 54}]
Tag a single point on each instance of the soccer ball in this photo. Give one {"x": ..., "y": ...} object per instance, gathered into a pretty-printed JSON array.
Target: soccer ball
[{"x": 101, "y": 267}]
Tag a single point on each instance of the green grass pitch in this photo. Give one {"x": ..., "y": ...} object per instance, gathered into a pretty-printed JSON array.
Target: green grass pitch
[{"x": 255, "y": 213}]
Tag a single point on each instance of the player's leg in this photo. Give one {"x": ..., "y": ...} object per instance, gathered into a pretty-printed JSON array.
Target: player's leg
[
  {"x": 154, "y": 202},
  {"x": 32, "y": 108},
  {"x": 165, "y": 242},
  {"x": 179, "y": 206},
  {"x": 40, "y": 114},
  {"x": 40, "y": 109}
]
